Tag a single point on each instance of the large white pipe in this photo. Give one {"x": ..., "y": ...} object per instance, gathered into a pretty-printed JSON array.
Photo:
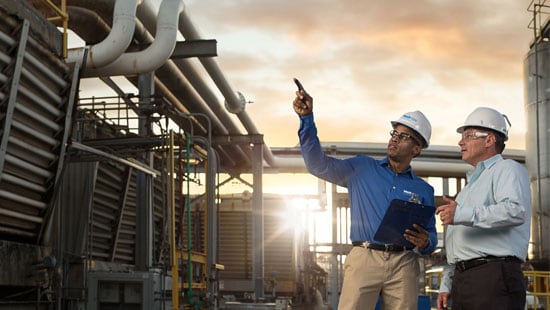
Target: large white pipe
[
  {"x": 155, "y": 55},
  {"x": 115, "y": 43},
  {"x": 434, "y": 168},
  {"x": 437, "y": 160}
]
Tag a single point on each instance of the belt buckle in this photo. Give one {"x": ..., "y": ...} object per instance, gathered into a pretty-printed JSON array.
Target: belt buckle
[{"x": 387, "y": 247}]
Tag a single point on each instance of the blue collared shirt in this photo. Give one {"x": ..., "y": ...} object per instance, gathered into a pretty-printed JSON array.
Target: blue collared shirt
[
  {"x": 493, "y": 215},
  {"x": 371, "y": 184}
]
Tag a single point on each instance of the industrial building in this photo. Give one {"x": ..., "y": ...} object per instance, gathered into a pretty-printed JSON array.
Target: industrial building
[{"x": 116, "y": 202}]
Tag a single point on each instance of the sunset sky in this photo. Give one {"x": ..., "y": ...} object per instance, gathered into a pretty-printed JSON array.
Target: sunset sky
[{"x": 367, "y": 62}]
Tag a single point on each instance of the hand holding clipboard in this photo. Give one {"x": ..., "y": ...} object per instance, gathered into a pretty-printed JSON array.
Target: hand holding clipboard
[{"x": 402, "y": 216}]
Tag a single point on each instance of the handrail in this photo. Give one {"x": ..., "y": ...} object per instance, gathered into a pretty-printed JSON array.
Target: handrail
[{"x": 61, "y": 15}]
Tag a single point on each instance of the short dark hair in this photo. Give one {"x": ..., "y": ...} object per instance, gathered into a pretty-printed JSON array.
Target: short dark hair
[
  {"x": 499, "y": 141},
  {"x": 420, "y": 139}
]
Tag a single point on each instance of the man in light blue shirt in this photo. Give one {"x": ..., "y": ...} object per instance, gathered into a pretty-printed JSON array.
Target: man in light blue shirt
[
  {"x": 488, "y": 225},
  {"x": 372, "y": 268}
]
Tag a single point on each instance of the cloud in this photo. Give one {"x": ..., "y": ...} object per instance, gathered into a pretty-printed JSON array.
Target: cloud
[{"x": 366, "y": 62}]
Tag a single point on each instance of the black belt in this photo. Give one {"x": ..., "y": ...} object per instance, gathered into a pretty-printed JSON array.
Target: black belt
[
  {"x": 464, "y": 265},
  {"x": 381, "y": 247}
]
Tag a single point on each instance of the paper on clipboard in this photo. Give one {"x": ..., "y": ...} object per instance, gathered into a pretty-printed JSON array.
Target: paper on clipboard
[{"x": 401, "y": 215}]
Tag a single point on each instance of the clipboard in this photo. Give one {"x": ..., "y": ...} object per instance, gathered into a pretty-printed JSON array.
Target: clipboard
[{"x": 401, "y": 215}]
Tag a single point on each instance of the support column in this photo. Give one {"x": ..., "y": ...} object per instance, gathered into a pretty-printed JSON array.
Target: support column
[
  {"x": 144, "y": 182},
  {"x": 257, "y": 221},
  {"x": 334, "y": 271}
]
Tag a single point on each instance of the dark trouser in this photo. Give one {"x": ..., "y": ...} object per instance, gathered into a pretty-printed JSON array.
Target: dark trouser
[{"x": 495, "y": 285}]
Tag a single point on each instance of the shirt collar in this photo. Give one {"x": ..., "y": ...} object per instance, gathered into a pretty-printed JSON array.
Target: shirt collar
[
  {"x": 386, "y": 163},
  {"x": 482, "y": 165}
]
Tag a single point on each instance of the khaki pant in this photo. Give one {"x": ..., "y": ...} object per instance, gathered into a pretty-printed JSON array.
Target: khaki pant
[{"x": 369, "y": 274}]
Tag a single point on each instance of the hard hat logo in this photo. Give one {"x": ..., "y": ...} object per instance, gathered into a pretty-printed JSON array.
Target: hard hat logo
[
  {"x": 409, "y": 117},
  {"x": 418, "y": 122},
  {"x": 487, "y": 118}
]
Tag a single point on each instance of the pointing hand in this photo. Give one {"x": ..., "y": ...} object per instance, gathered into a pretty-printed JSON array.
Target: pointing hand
[{"x": 303, "y": 103}]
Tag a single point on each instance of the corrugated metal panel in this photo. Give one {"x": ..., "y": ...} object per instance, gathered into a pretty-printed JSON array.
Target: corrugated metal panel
[
  {"x": 160, "y": 217},
  {"x": 278, "y": 247},
  {"x": 112, "y": 223},
  {"x": 235, "y": 243}
]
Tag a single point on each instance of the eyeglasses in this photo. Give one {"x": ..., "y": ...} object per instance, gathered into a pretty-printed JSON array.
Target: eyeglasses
[
  {"x": 473, "y": 135},
  {"x": 402, "y": 136}
]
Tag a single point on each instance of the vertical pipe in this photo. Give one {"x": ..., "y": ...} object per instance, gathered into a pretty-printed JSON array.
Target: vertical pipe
[
  {"x": 188, "y": 208},
  {"x": 537, "y": 205},
  {"x": 173, "y": 257},
  {"x": 257, "y": 221},
  {"x": 334, "y": 259},
  {"x": 212, "y": 225},
  {"x": 144, "y": 188}
]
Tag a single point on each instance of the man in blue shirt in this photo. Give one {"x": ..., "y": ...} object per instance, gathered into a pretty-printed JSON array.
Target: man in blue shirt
[
  {"x": 373, "y": 269},
  {"x": 488, "y": 225}
]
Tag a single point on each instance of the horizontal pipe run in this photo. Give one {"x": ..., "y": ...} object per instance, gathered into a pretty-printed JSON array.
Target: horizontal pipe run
[
  {"x": 6, "y": 39},
  {"x": 35, "y": 133},
  {"x": 40, "y": 102},
  {"x": 108, "y": 194},
  {"x": 28, "y": 166},
  {"x": 101, "y": 226},
  {"x": 5, "y": 58},
  {"x": 105, "y": 215},
  {"x": 107, "y": 204},
  {"x": 31, "y": 77},
  {"x": 140, "y": 167},
  {"x": 52, "y": 76},
  {"x": 18, "y": 215},
  {"x": 103, "y": 255},
  {"x": 39, "y": 118},
  {"x": 38, "y": 85},
  {"x": 32, "y": 149},
  {"x": 16, "y": 232},
  {"x": 111, "y": 174},
  {"x": 23, "y": 183}
]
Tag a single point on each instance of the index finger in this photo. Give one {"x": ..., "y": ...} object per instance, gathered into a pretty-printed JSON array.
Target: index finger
[
  {"x": 300, "y": 86},
  {"x": 440, "y": 208}
]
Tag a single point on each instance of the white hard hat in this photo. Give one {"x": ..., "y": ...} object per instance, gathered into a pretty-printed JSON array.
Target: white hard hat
[
  {"x": 418, "y": 122},
  {"x": 487, "y": 118}
]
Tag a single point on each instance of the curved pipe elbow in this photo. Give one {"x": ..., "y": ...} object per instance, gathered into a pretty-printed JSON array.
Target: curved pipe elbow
[
  {"x": 156, "y": 54},
  {"x": 116, "y": 42}
]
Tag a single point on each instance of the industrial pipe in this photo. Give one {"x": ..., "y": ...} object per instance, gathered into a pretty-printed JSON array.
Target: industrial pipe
[
  {"x": 115, "y": 43},
  {"x": 152, "y": 57}
]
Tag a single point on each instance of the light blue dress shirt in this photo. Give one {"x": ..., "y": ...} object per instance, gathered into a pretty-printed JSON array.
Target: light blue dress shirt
[
  {"x": 493, "y": 215},
  {"x": 371, "y": 184}
]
